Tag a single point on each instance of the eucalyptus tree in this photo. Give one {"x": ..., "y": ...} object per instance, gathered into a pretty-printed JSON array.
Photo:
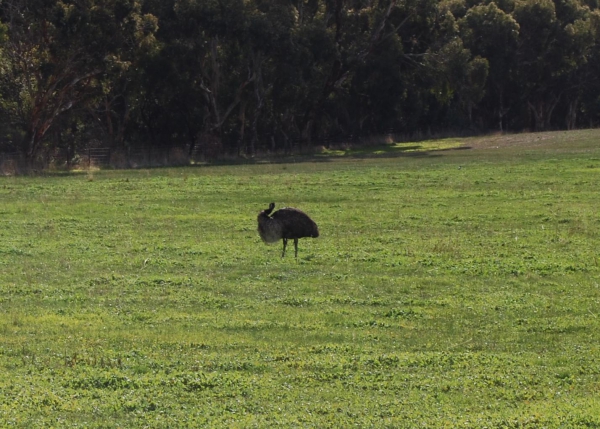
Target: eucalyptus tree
[
  {"x": 555, "y": 44},
  {"x": 214, "y": 66},
  {"x": 338, "y": 37},
  {"x": 11, "y": 132},
  {"x": 391, "y": 88},
  {"x": 539, "y": 67},
  {"x": 457, "y": 80},
  {"x": 493, "y": 34},
  {"x": 272, "y": 53},
  {"x": 209, "y": 87},
  {"x": 59, "y": 55},
  {"x": 582, "y": 82},
  {"x": 131, "y": 36},
  {"x": 585, "y": 93}
]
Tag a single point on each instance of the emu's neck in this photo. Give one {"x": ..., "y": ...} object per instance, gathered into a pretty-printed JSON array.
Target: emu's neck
[{"x": 264, "y": 216}]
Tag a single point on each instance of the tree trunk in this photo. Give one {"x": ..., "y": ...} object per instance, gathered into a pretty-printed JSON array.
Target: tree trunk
[
  {"x": 542, "y": 112},
  {"x": 340, "y": 71},
  {"x": 260, "y": 94},
  {"x": 502, "y": 111},
  {"x": 572, "y": 114},
  {"x": 242, "y": 127},
  {"x": 210, "y": 85}
]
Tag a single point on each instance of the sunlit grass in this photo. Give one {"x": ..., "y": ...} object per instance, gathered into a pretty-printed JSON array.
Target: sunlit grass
[
  {"x": 394, "y": 148},
  {"x": 457, "y": 288}
]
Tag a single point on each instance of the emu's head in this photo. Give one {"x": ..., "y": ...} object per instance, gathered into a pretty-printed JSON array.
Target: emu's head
[
  {"x": 270, "y": 209},
  {"x": 265, "y": 213}
]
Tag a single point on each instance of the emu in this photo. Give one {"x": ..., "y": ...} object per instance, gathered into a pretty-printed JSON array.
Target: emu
[{"x": 285, "y": 224}]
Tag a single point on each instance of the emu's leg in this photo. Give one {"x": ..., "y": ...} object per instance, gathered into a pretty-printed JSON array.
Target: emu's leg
[
  {"x": 284, "y": 244},
  {"x": 296, "y": 246}
]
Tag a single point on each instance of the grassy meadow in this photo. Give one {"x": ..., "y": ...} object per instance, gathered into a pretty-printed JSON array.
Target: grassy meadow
[{"x": 449, "y": 289}]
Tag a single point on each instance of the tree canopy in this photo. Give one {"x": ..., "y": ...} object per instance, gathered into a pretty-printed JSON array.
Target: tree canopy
[{"x": 241, "y": 76}]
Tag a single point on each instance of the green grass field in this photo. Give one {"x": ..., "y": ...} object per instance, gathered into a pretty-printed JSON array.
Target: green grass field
[{"x": 449, "y": 288}]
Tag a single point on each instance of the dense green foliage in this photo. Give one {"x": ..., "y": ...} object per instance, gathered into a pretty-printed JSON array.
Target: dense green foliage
[
  {"x": 448, "y": 289},
  {"x": 233, "y": 76}
]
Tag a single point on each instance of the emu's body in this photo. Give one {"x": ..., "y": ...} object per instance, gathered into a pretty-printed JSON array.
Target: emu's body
[{"x": 285, "y": 224}]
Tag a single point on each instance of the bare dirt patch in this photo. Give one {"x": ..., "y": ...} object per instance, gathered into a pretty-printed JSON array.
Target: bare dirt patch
[{"x": 541, "y": 140}]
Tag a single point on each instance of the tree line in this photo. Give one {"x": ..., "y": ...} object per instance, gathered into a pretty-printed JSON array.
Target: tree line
[{"x": 241, "y": 76}]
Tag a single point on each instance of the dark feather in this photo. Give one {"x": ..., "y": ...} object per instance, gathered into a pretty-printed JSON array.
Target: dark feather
[
  {"x": 295, "y": 223},
  {"x": 287, "y": 223}
]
